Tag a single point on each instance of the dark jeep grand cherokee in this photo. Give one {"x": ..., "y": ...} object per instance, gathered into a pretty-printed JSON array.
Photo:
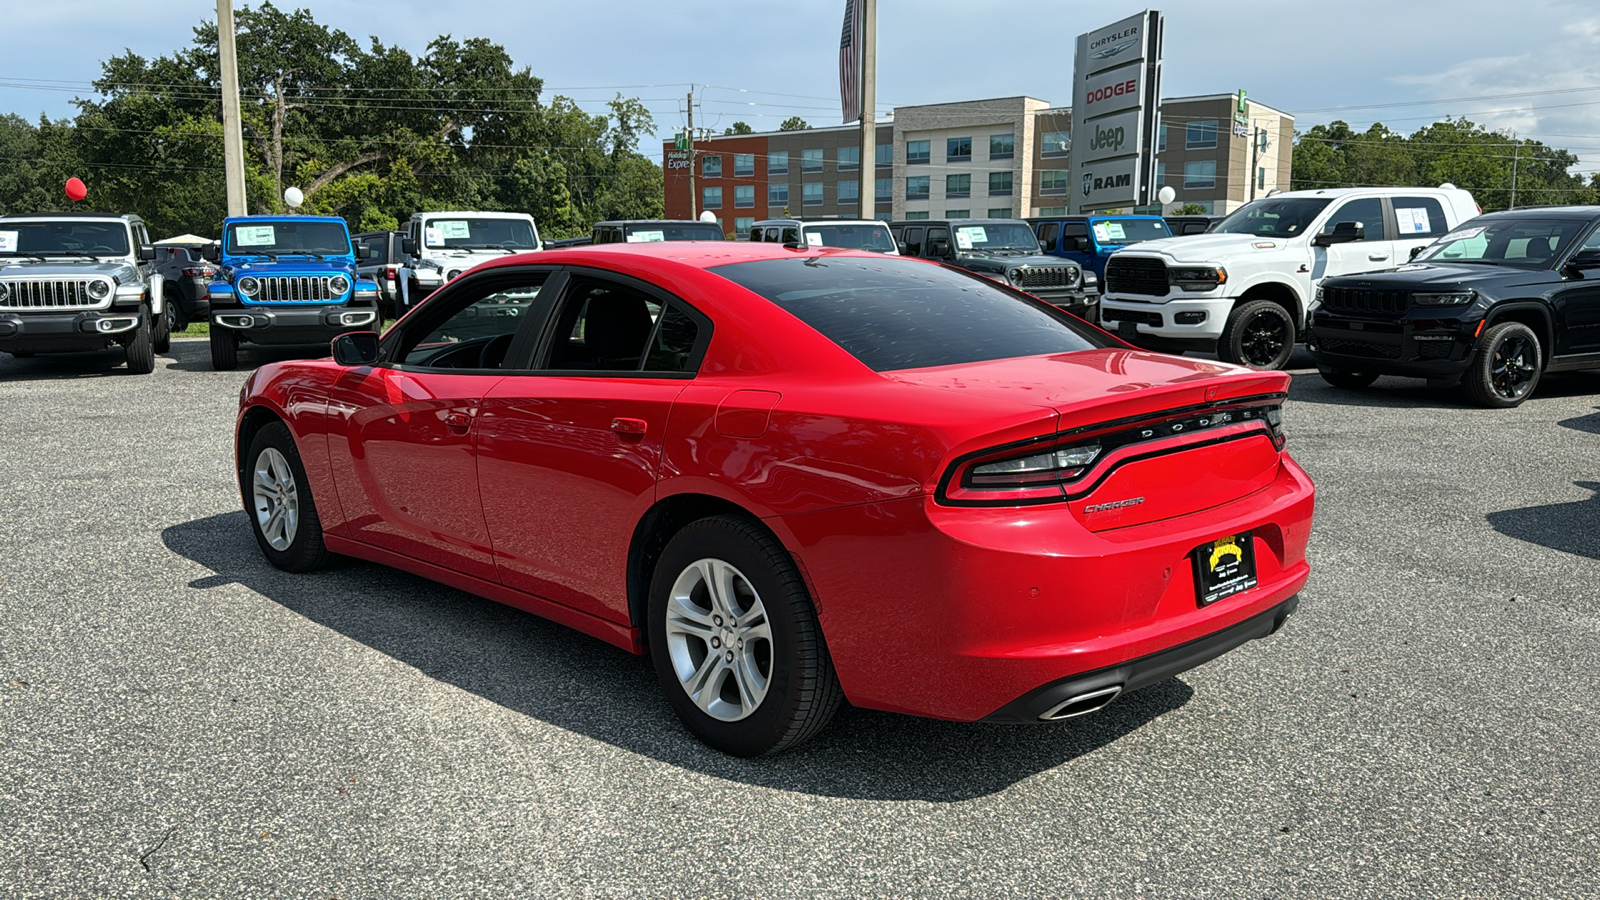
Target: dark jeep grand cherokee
[{"x": 1489, "y": 306}]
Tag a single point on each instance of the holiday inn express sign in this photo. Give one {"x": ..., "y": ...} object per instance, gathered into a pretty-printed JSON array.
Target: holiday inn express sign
[{"x": 1116, "y": 89}]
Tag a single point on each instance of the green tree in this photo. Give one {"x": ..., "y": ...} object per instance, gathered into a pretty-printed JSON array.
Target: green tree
[
  {"x": 793, "y": 123},
  {"x": 1190, "y": 209},
  {"x": 739, "y": 128}
]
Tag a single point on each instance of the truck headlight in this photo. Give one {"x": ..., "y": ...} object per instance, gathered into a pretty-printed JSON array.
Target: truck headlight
[
  {"x": 1198, "y": 278},
  {"x": 98, "y": 290},
  {"x": 248, "y": 286},
  {"x": 1014, "y": 276},
  {"x": 1453, "y": 298},
  {"x": 5, "y": 292},
  {"x": 338, "y": 284},
  {"x": 452, "y": 275}
]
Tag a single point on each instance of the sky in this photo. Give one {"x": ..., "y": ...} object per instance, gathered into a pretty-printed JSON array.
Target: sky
[{"x": 1404, "y": 64}]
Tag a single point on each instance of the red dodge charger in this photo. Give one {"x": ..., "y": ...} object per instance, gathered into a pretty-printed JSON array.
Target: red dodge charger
[{"x": 796, "y": 476}]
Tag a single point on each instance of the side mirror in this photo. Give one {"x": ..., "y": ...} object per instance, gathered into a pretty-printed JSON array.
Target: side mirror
[
  {"x": 363, "y": 253},
  {"x": 1585, "y": 259},
  {"x": 147, "y": 253},
  {"x": 212, "y": 252},
  {"x": 1416, "y": 251},
  {"x": 1078, "y": 244},
  {"x": 939, "y": 247},
  {"x": 1343, "y": 233},
  {"x": 356, "y": 348},
  {"x": 408, "y": 246}
]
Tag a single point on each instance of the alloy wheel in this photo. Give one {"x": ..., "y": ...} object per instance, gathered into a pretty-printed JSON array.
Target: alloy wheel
[
  {"x": 277, "y": 501},
  {"x": 1513, "y": 368},
  {"x": 719, "y": 640},
  {"x": 1264, "y": 339}
]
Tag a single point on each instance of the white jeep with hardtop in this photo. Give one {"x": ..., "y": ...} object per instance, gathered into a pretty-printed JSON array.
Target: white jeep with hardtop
[{"x": 445, "y": 244}]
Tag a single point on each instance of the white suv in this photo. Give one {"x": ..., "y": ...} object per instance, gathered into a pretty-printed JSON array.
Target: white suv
[
  {"x": 1243, "y": 288},
  {"x": 445, "y": 244}
]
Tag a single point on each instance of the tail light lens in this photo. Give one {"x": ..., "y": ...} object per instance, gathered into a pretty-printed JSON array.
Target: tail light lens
[{"x": 1052, "y": 466}]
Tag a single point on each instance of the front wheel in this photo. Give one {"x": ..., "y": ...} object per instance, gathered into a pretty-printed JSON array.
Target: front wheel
[
  {"x": 735, "y": 641},
  {"x": 140, "y": 345},
  {"x": 1259, "y": 334},
  {"x": 1507, "y": 366},
  {"x": 224, "y": 349},
  {"x": 161, "y": 342},
  {"x": 1349, "y": 381},
  {"x": 283, "y": 515}
]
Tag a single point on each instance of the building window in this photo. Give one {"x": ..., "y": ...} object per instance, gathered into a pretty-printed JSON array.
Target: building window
[
  {"x": 1002, "y": 146},
  {"x": 777, "y": 194},
  {"x": 1200, "y": 173},
  {"x": 812, "y": 192},
  {"x": 1261, "y": 178},
  {"x": 849, "y": 192},
  {"x": 915, "y": 216},
  {"x": 811, "y": 160},
  {"x": 957, "y": 186},
  {"x": 917, "y": 187},
  {"x": 1055, "y": 143},
  {"x": 742, "y": 224},
  {"x": 777, "y": 162},
  {"x": 711, "y": 198},
  {"x": 711, "y": 167},
  {"x": 1161, "y": 173},
  {"x": 1050, "y": 210},
  {"x": 1161, "y": 139},
  {"x": 1053, "y": 182},
  {"x": 883, "y": 190},
  {"x": 1200, "y": 135},
  {"x": 744, "y": 164},
  {"x": 1000, "y": 212},
  {"x": 958, "y": 214},
  {"x": 885, "y": 155},
  {"x": 744, "y": 196},
  {"x": 918, "y": 152},
  {"x": 958, "y": 149},
  {"x": 849, "y": 159},
  {"x": 999, "y": 184}
]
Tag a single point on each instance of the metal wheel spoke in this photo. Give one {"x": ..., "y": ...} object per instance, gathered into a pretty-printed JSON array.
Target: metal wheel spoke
[
  {"x": 710, "y": 646},
  {"x": 761, "y": 631},
  {"x": 751, "y": 683},
  {"x": 685, "y": 618},
  {"x": 705, "y": 688}
]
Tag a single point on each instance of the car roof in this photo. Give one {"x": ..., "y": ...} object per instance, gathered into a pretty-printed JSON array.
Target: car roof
[
  {"x": 654, "y": 222},
  {"x": 819, "y": 222},
  {"x": 951, "y": 221},
  {"x": 1373, "y": 191},
  {"x": 501, "y": 214},
  {"x": 1560, "y": 212},
  {"x": 283, "y": 218},
  {"x": 694, "y": 254},
  {"x": 71, "y": 215}
]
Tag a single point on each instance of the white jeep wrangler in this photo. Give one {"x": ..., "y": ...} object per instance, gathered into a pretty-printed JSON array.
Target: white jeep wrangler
[
  {"x": 445, "y": 244},
  {"x": 1243, "y": 288}
]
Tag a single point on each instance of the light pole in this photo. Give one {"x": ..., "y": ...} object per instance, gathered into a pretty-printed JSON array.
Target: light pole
[{"x": 232, "y": 132}]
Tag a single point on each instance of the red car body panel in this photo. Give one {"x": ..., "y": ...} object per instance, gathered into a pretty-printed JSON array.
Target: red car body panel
[{"x": 927, "y": 607}]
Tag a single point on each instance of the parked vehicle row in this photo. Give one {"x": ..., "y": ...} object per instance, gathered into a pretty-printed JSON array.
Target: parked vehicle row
[{"x": 1005, "y": 250}]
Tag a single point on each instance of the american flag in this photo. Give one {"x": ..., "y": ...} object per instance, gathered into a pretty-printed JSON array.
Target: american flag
[{"x": 850, "y": 59}]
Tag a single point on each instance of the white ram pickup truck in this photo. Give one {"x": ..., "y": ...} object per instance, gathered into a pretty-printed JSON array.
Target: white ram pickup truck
[{"x": 1242, "y": 289}]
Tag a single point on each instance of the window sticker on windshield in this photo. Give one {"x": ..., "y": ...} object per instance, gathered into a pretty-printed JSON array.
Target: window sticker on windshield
[
  {"x": 1114, "y": 231},
  {"x": 813, "y": 239},
  {"x": 453, "y": 229},
  {"x": 1100, "y": 232},
  {"x": 646, "y": 237},
  {"x": 975, "y": 234},
  {"x": 963, "y": 240},
  {"x": 432, "y": 237},
  {"x": 8, "y": 241},
  {"x": 1463, "y": 234},
  {"x": 1412, "y": 220},
  {"x": 255, "y": 235}
]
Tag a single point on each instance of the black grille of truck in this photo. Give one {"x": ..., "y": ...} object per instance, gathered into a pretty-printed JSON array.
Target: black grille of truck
[
  {"x": 1360, "y": 348},
  {"x": 1365, "y": 300},
  {"x": 1032, "y": 278},
  {"x": 1136, "y": 275},
  {"x": 1152, "y": 319}
]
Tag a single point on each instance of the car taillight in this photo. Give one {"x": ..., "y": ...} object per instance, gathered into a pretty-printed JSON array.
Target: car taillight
[
  {"x": 388, "y": 274},
  {"x": 1049, "y": 467},
  {"x": 195, "y": 273}
]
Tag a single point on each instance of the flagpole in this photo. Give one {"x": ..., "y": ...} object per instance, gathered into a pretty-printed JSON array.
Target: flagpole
[{"x": 869, "y": 115}]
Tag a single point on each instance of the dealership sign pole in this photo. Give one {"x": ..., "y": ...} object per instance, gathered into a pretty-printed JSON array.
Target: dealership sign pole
[
  {"x": 232, "y": 135},
  {"x": 1116, "y": 97}
]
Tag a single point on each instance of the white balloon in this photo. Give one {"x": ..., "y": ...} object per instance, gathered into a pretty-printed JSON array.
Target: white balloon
[
  {"x": 1167, "y": 194},
  {"x": 294, "y": 197},
  {"x": 708, "y": 216}
]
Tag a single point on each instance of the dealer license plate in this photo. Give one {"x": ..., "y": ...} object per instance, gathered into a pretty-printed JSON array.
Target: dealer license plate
[{"x": 1224, "y": 567}]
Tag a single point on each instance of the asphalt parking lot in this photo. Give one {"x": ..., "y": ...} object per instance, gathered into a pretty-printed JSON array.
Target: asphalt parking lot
[{"x": 179, "y": 719}]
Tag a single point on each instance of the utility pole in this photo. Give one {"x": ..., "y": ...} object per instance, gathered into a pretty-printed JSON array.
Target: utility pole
[
  {"x": 1256, "y": 134},
  {"x": 1516, "y": 157},
  {"x": 869, "y": 113},
  {"x": 232, "y": 133},
  {"x": 694, "y": 201}
]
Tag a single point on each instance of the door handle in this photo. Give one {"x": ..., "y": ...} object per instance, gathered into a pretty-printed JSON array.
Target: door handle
[
  {"x": 1376, "y": 257},
  {"x": 630, "y": 426},
  {"x": 457, "y": 422}
]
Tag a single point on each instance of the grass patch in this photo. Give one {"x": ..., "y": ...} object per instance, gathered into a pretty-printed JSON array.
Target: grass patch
[{"x": 195, "y": 329}]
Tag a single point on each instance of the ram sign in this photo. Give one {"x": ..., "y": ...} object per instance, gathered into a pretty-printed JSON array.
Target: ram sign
[{"x": 1116, "y": 90}]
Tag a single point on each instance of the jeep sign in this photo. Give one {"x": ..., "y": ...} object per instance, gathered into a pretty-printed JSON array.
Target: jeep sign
[{"x": 1115, "y": 95}]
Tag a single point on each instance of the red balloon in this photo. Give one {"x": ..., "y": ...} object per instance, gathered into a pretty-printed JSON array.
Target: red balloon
[{"x": 76, "y": 190}]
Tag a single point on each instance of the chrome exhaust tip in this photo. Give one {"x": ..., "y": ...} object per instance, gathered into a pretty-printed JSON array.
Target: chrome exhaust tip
[{"x": 1081, "y": 704}]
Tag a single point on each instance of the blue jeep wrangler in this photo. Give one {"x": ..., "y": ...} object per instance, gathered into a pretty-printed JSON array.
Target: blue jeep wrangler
[
  {"x": 286, "y": 280},
  {"x": 1090, "y": 240}
]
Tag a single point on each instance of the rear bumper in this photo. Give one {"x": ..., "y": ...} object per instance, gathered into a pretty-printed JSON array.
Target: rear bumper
[
  {"x": 64, "y": 332},
  {"x": 289, "y": 325}
]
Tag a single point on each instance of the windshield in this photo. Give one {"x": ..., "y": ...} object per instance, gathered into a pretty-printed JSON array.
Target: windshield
[
  {"x": 1279, "y": 218},
  {"x": 106, "y": 238},
  {"x": 1128, "y": 231},
  {"x": 856, "y": 237},
  {"x": 287, "y": 239},
  {"x": 473, "y": 233},
  {"x": 673, "y": 231},
  {"x": 905, "y": 314},
  {"x": 1531, "y": 243},
  {"x": 996, "y": 236}
]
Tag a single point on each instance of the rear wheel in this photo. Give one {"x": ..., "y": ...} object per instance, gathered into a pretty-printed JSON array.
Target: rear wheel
[
  {"x": 1259, "y": 334},
  {"x": 140, "y": 345},
  {"x": 735, "y": 641},
  {"x": 1348, "y": 380},
  {"x": 1507, "y": 366},
  {"x": 283, "y": 515},
  {"x": 162, "y": 340},
  {"x": 224, "y": 349}
]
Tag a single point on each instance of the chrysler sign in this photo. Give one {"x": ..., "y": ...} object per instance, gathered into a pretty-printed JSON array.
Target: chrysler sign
[{"x": 1116, "y": 89}]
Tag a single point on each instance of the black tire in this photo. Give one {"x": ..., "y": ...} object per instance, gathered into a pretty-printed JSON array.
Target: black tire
[
  {"x": 1507, "y": 367},
  {"x": 1350, "y": 381},
  {"x": 224, "y": 349},
  {"x": 802, "y": 691},
  {"x": 1259, "y": 334},
  {"x": 161, "y": 341},
  {"x": 304, "y": 549},
  {"x": 140, "y": 345}
]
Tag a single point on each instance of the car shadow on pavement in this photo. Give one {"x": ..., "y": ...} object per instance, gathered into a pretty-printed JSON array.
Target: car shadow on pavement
[
  {"x": 1569, "y": 527},
  {"x": 191, "y": 355},
  {"x": 68, "y": 366},
  {"x": 1412, "y": 393},
  {"x": 549, "y": 672},
  {"x": 1589, "y": 423}
]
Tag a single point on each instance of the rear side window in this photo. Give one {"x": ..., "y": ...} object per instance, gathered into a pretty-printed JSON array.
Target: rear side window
[
  {"x": 902, "y": 314},
  {"x": 1048, "y": 232},
  {"x": 1417, "y": 217},
  {"x": 672, "y": 350}
]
